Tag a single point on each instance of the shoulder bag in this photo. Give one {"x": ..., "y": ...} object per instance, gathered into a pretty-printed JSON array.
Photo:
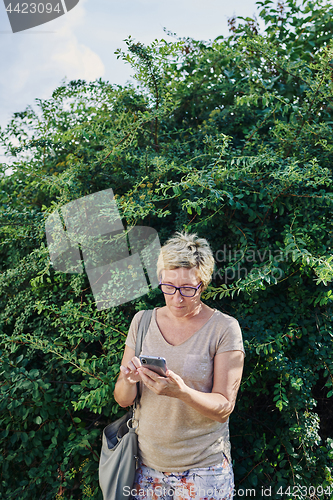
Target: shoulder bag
[{"x": 119, "y": 453}]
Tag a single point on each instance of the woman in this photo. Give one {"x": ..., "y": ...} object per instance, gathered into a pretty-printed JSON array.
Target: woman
[{"x": 183, "y": 418}]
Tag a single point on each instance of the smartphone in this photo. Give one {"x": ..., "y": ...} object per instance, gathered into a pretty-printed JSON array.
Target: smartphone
[{"x": 156, "y": 364}]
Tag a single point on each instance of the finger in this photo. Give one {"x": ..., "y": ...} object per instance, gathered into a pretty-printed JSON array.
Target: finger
[
  {"x": 146, "y": 380},
  {"x": 132, "y": 367},
  {"x": 145, "y": 377},
  {"x": 124, "y": 370},
  {"x": 149, "y": 373},
  {"x": 136, "y": 362},
  {"x": 152, "y": 377}
]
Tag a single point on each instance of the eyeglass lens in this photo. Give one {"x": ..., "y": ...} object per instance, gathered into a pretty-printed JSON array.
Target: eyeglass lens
[{"x": 185, "y": 291}]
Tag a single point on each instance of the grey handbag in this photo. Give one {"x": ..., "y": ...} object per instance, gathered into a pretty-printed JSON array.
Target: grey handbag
[{"x": 119, "y": 451}]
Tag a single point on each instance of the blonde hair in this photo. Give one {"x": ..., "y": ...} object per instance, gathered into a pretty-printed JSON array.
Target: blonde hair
[{"x": 188, "y": 251}]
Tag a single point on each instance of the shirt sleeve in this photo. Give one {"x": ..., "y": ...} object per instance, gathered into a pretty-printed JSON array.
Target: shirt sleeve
[
  {"x": 231, "y": 339},
  {"x": 133, "y": 330}
]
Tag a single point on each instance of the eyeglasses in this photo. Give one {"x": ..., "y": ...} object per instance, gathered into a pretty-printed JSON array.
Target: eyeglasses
[{"x": 185, "y": 291}]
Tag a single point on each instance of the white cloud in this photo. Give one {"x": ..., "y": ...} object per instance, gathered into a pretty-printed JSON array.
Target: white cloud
[
  {"x": 36, "y": 61},
  {"x": 74, "y": 59}
]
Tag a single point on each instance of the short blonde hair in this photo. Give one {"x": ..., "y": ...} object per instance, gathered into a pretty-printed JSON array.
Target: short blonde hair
[{"x": 188, "y": 251}]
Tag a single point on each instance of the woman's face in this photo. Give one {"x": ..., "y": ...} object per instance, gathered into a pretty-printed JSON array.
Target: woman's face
[{"x": 177, "y": 304}]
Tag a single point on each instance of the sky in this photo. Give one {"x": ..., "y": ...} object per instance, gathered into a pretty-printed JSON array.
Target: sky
[{"x": 81, "y": 43}]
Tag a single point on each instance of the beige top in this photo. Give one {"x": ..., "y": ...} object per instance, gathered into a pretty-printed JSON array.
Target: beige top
[{"x": 173, "y": 436}]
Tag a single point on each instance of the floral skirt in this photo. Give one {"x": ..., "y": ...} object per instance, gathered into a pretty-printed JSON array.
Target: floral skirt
[{"x": 208, "y": 483}]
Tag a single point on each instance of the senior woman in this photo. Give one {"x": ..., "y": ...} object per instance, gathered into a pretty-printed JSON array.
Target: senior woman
[{"x": 183, "y": 429}]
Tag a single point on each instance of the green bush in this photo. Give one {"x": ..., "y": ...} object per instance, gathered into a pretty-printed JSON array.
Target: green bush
[{"x": 231, "y": 139}]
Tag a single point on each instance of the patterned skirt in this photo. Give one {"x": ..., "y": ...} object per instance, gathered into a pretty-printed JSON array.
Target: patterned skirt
[{"x": 208, "y": 483}]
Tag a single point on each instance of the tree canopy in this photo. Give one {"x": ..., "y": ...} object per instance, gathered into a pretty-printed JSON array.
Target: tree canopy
[{"x": 231, "y": 139}]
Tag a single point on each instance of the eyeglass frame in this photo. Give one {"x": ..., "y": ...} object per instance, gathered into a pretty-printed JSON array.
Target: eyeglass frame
[{"x": 196, "y": 288}]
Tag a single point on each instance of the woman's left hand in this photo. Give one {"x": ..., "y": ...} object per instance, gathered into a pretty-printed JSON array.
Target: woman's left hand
[{"x": 172, "y": 385}]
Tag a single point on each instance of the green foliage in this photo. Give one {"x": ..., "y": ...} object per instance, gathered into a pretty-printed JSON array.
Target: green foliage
[{"x": 231, "y": 139}]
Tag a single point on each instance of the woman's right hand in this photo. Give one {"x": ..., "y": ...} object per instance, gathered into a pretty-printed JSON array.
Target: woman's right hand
[
  {"x": 125, "y": 389},
  {"x": 130, "y": 372}
]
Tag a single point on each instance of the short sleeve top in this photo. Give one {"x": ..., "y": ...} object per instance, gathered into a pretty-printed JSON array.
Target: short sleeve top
[{"x": 173, "y": 436}]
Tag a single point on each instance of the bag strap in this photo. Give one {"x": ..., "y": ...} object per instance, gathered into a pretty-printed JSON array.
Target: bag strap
[{"x": 142, "y": 330}]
